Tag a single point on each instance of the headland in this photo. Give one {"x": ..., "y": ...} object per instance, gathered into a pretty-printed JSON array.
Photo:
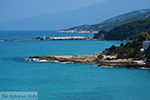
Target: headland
[{"x": 98, "y": 58}]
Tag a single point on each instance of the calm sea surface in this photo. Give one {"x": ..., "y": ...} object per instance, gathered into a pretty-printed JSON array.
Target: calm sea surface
[{"x": 57, "y": 81}]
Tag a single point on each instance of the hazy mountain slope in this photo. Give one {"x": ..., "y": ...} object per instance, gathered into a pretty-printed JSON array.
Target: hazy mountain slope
[
  {"x": 115, "y": 21},
  {"x": 65, "y": 19}
]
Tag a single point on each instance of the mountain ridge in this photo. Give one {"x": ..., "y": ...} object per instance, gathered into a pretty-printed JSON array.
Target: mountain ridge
[{"x": 111, "y": 23}]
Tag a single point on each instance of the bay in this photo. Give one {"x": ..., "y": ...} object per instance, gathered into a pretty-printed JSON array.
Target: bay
[{"x": 62, "y": 81}]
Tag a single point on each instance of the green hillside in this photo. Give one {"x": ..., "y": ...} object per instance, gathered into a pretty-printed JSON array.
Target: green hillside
[
  {"x": 113, "y": 22},
  {"x": 126, "y": 31}
]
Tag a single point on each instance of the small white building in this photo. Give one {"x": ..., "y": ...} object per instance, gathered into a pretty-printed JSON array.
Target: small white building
[
  {"x": 43, "y": 37},
  {"x": 146, "y": 44}
]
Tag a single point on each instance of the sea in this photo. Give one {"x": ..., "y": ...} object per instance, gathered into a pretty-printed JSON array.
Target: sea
[{"x": 66, "y": 81}]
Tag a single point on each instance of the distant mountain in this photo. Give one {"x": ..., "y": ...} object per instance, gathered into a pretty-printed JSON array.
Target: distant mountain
[
  {"x": 87, "y": 15},
  {"x": 112, "y": 22},
  {"x": 128, "y": 31}
]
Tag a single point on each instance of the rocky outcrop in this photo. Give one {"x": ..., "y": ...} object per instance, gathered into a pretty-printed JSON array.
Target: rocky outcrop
[
  {"x": 72, "y": 59},
  {"x": 99, "y": 58},
  {"x": 126, "y": 63}
]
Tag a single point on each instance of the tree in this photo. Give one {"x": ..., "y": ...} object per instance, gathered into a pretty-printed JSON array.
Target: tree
[
  {"x": 112, "y": 49},
  {"x": 122, "y": 45},
  {"x": 143, "y": 36}
]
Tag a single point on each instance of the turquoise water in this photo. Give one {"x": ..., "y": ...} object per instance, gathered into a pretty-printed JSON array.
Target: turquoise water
[{"x": 57, "y": 81}]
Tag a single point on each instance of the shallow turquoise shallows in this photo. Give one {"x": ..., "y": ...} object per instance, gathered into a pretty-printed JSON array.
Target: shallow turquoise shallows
[{"x": 60, "y": 81}]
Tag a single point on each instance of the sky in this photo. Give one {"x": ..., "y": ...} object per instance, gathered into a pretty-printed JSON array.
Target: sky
[{"x": 11, "y": 10}]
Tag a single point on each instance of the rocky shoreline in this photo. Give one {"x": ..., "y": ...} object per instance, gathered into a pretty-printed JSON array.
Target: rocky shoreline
[
  {"x": 124, "y": 63},
  {"x": 71, "y": 59},
  {"x": 98, "y": 58}
]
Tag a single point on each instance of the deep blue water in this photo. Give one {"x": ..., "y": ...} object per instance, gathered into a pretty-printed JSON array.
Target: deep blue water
[{"x": 57, "y": 81}]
